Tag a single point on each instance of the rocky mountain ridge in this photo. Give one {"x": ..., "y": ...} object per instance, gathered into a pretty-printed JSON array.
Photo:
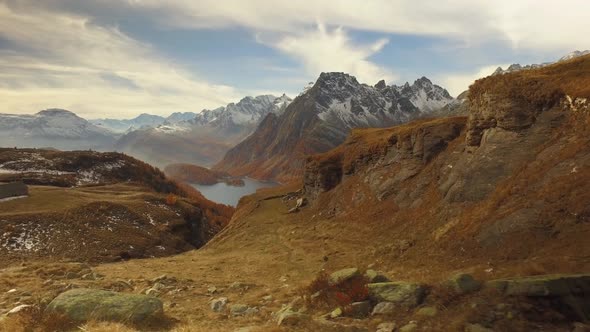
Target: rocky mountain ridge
[{"x": 321, "y": 118}]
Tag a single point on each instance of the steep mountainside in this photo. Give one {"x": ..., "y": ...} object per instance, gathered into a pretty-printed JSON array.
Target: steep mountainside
[
  {"x": 81, "y": 202},
  {"x": 321, "y": 118},
  {"x": 205, "y": 138},
  {"x": 55, "y": 128}
]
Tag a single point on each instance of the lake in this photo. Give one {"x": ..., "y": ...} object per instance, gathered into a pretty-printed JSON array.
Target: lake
[{"x": 230, "y": 195}]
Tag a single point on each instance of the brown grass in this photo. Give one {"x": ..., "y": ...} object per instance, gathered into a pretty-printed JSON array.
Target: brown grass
[{"x": 541, "y": 88}]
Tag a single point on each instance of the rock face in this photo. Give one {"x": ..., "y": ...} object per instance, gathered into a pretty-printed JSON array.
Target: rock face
[
  {"x": 81, "y": 305},
  {"x": 322, "y": 117},
  {"x": 400, "y": 293},
  {"x": 405, "y": 149}
]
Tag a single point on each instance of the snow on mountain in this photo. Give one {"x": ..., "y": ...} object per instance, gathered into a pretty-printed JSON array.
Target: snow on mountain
[
  {"x": 341, "y": 96},
  {"x": 205, "y": 137},
  {"x": 53, "y": 127},
  {"x": 180, "y": 116},
  {"x": 120, "y": 126},
  {"x": 247, "y": 112},
  {"x": 517, "y": 67},
  {"x": 321, "y": 118},
  {"x": 574, "y": 54}
]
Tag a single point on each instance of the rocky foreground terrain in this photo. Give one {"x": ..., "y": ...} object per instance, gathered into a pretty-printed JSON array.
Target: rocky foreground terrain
[{"x": 475, "y": 223}]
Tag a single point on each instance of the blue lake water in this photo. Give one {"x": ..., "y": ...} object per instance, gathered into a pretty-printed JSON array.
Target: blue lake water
[{"x": 230, "y": 195}]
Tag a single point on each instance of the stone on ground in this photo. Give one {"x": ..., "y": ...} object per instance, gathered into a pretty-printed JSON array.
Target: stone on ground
[
  {"x": 386, "y": 327},
  {"x": 383, "y": 308},
  {"x": 427, "y": 312},
  {"x": 400, "y": 293},
  {"x": 343, "y": 275},
  {"x": 464, "y": 283},
  {"x": 410, "y": 327},
  {"x": 85, "y": 304},
  {"x": 375, "y": 276},
  {"x": 218, "y": 304}
]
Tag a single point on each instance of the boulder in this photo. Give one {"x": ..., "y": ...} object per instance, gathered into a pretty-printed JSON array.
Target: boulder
[
  {"x": 427, "y": 312},
  {"x": 386, "y": 327},
  {"x": 360, "y": 309},
  {"x": 218, "y": 305},
  {"x": 463, "y": 283},
  {"x": 242, "y": 310},
  {"x": 383, "y": 308},
  {"x": 343, "y": 275},
  {"x": 545, "y": 285},
  {"x": 400, "y": 293},
  {"x": 336, "y": 313},
  {"x": 569, "y": 293},
  {"x": 85, "y": 304},
  {"x": 289, "y": 317},
  {"x": 375, "y": 276},
  {"x": 410, "y": 327}
]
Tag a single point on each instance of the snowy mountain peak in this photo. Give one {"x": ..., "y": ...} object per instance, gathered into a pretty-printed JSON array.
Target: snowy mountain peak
[
  {"x": 574, "y": 54},
  {"x": 247, "y": 112}
]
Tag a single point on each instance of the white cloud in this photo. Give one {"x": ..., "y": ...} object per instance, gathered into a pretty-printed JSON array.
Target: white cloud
[
  {"x": 536, "y": 24},
  {"x": 456, "y": 83},
  {"x": 324, "y": 50},
  {"x": 95, "y": 71}
]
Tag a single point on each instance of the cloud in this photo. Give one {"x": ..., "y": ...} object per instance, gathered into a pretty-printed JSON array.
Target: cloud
[
  {"x": 533, "y": 24},
  {"x": 63, "y": 60},
  {"x": 456, "y": 83},
  {"x": 323, "y": 50}
]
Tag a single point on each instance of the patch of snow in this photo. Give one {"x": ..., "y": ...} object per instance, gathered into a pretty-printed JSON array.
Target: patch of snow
[{"x": 12, "y": 198}]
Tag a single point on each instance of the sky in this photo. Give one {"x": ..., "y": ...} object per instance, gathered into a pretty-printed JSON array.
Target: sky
[{"x": 120, "y": 58}]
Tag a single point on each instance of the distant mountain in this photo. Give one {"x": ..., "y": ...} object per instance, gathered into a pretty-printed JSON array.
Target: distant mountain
[
  {"x": 247, "y": 112},
  {"x": 55, "y": 128},
  {"x": 320, "y": 119},
  {"x": 517, "y": 67},
  {"x": 122, "y": 126},
  {"x": 204, "y": 138},
  {"x": 180, "y": 116}
]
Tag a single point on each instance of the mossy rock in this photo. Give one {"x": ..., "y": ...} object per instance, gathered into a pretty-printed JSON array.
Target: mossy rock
[
  {"x": 401, "y": 293},
  {"x": 343, "y": 275},
  {"x": 81, "y": 305}
]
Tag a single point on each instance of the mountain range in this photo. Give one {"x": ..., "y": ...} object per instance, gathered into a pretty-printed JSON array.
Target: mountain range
[
  {"x": 55, "y": 128},
  {"x": 320, "y": 119},
  {"x": 203, "y": 139}
]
